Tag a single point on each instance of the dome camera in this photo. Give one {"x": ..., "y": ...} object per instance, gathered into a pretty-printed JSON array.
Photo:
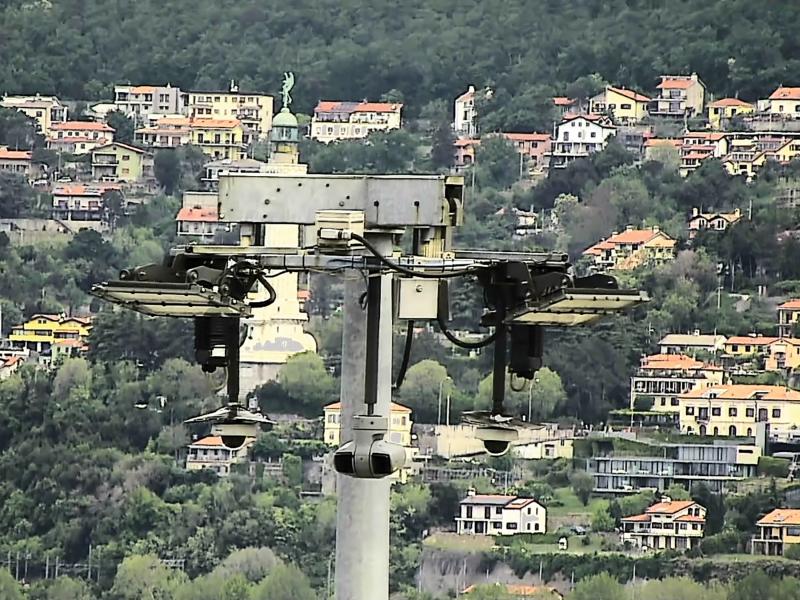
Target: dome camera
[
  {"x": 368, "y": 455},
  {"x": 234, "y": 434},
  {"x": 496, "y": 440}
]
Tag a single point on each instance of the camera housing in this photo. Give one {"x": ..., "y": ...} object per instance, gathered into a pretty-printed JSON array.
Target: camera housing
[
  {"x": 496, "y": 440},
  {"x": 234, "y": 434},
  {"x": 368, "y": 455}
]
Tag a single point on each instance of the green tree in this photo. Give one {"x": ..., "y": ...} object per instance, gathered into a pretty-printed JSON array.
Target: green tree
[
  {"x": 680, "y": 588},
  {"x": 599, "y": 587},
  {"x": 145, "y": 578},
  {"x": 16, "y": 197},
  {"x": 252, "y": 563},
  {"x": 66, "y": 588},
  {"x": 582, "y": 484},
  {"x": 643, "y": 402},
  {"x": 285, "y": 582},
  {"x": 307, "y": 382},
  {"x": 167, "y": 169},
  {"x": 9, "y": 588},
  {"x": 677, "y": 492},
  {"x": 602, "y": 520},
  {"x": 292, "y": 470},
  {"x": 17, "y": 130},
  {"x": 420, "y": 390},
  {"x": 123, "y": 126},
  {"x": 496, "y": 163}
]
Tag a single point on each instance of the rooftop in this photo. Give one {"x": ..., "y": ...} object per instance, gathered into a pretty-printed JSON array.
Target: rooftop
[
  {"x": 633, "y": 95},
  {"x": 675, "y": 362},
  {"x": 691, "y": 339},
  {"x": 197, "y": 214},
  {"x": 353, "y": 107},
  {"x": 676, "y": 82},
  {"x": 723, "y": 102},
  {"x": 81, "y": 126},
  {"x": 781, "y": 516},
  {"x": 669, "y": 508},
  {"x": 793, "y": 304},
  {"x": 6, "y": 154},
  {"x": 785, "y": 93},
  {"x": 396, "y": 408},
  {"x": 752, "y": 340},
  {"x": 744, "y": 392},
  {"x": 493, "y": 499}
]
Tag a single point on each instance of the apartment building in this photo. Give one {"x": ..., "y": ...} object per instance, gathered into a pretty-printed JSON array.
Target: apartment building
[
  {"x": 691, "y": 343},
  {"x": 494, "y": 514},
  {"x": 785, "y": 102},
  {"x": 464, "y": 124},
  {"x": 777, "y": 531},
  {"x": 712, "y": 220},
  {"x": 146, "y": 103},
  {"x": 80, "y": 202},
  {"x": 219, "y": 138},
  {"x": 737, "y": 409},
  {"x": 79, "y": 137},
  {"x": 578, "y": 136},
  {"x": 353, "y": 120},
  {"x": 679, "y": 96},
  {"x": 788, "y": 317},
  {"x": 399, "y": 424},
  {"x": 121, "y": 162},
  {"x": 42, "y": 332},
  {"x": 45, "y": 110},
  {"x": 663, "y": 377},
  {"x": 698, "y": 146},
  {"x": 716, "y": 465},
  {"x": 631, "y": 249},
  {"x": 624, "y": 105},
  {"x": 534, "y": 147},
  {"x": 198, "y": 217},
  {"x": 167, "y": 132},
  {"x": 667, "y": 525},
  {"x": 210, "y": 453},
  {"x": 253, "y": 110},
  {"x": 783, "y": 355},
  {"x": 746, "y": 346}
]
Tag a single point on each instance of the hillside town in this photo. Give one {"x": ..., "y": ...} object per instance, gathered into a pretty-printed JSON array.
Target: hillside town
[{"x": 660, "y": 447}]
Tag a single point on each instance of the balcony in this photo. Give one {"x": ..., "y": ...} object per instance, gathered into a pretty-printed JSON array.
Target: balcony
[{"x": 105, "y": 160}]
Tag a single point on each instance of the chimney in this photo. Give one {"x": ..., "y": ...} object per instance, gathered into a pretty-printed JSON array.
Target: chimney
[
  {"x": 696, "y": 211},
  {"x": 471, "y": 491},
  {"x": 665, "y": 498},
  {"x": 629, "y": 228},
  {"x": 656, "y": 229},
  {"x": 471, "y": 89},
  {"x": 737, "y": 212}
]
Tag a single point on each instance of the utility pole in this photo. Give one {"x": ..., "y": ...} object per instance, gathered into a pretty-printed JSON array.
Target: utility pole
[{"x": 362, "y": 515}]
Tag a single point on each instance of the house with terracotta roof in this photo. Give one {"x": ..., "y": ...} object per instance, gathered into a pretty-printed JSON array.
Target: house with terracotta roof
[
  {"x": 253, "y": 110},
  {"x": 783, "y": 355},
  {"x": 631, "y": 249},
  {"x": 218, "y": 138},
  {"x": 42, "y": 332},
  {"x": 167, "y": 132},
  {"x": 788, "y": 317},
  {"x": 565, "y": 105},
  {"x": 45, "y": 110},
  {"x": 146, "y": 103},
  {"x": 534, "y": 148},
  {"x": 738, "y": 410},
  {"x": 81, "y": 202},
  {"x": 10, "y": 365},
  {"x": 79, "y": 137},
  {"x": 654, "y": 147},
  {"x": 723, "y": 110},
  {"x": 784, "y": 102},
  {"x": 578, "y": 136},
  {"x": 212, "y": 454},
  {"x": 518, "y": 590},
  {"x": 700, "y": 145},
  {"x": 335, "y": 120},
  {"x": 777, "y": 531},
  {"x": 121, "y": 162},
  {"x": 713, "y": 220},
  {"x": 464, "y": 152},
  {"x": 679, "y": 96},
  {"x": 747, "y": 346},
  {"x": 664, "y": 377},
  {"x": 497, "y": 514},
  {"x": 17, "y": 162},
  {"x": 667, "y": 525},
  {"x": 625, "y": 106}
]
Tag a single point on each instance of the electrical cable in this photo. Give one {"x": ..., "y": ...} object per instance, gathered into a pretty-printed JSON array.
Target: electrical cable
[
  {"x": 460, "y": 343},
  {"x": 401, "y": 374},
  {"x": 405, "y": 270},
  {"x": 270, "y": 290}
]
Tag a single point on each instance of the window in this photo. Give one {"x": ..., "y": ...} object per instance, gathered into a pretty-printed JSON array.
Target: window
[
  {"x": 663, "y": 401},
  {"x": 511, "y": 525},
  {"x": 487, "y": 512},
  {"x": 566, "y": 136},
  {"x": 673, "y": 402},
  {"x": 497, "y": 525},
  {"x": 536, "y": 527},
  {"x": 200, "y": 138},
  {"x": 716, "y": 411},
  {"x": 732, "y": 412},
  {"x": 762, "y": 414},
  {"x": 498, "y": 510},
  {"x": 716, "y": 430},
  {"x": 732, "y": 430},
  {"x": 690, "y": 410},
  {"x": 625, "y": 106},
  {"x": 126, "y": 157},
  {"x": 750, "y": 412},
  {"x": 217, "y": 138},
  {"x": 469, "y": 512},
  {"x": 776, "y": 413},
  {"x": 735, "y": 347},
  {"x": 593, "y": 134}
]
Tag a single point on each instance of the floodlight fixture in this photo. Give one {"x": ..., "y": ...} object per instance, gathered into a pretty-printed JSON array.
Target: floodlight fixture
[{"x": 569, "y": 307}]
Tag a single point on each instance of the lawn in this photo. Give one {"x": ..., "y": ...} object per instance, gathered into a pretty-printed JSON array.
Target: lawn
[
  {"x": 459, "y": 543},
  {"x": 568, "y": 505}
]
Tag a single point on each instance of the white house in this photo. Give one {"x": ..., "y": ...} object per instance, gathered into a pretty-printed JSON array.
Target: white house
[
  {"x": 464, "y": 114},
  {"x": 578, "y": 136},
  {"x": 494, "y": 514}
]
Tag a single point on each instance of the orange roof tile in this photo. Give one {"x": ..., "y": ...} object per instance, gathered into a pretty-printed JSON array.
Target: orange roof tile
[
  {"x": 522, "y": 590},
  {"x": 633, "y": 95},
  {"x": 519, "y": 503},
  {"x": 143, "y": 89},
  {"x": 741, "y": 391},
  {"x": 527, "y": 137},
  {"x": 723, "y": 102},
  {"x": 214, "y": 123},
  {"x": 752, "y": 340},
  {"x": 469, "y": 94},
  {"x": 6, "y": 154},
  {"x": 563, "y": 101},
  {"x": 638, "y": 518},
  {"x": 674, "y": 83},
  {"x": 378, "y": 107},
  {"x": 634, "y": 236},
  {"x": 781, "y": 516},
  {"x": 785, "y": 93},
  {"x": 466, "y": 142},
  {"x": 669, "y": 508},
  {"x": 656, "y": 142},
  {"x": 211, "y": 440},
  {"x": 696, "y": 155},
  {"x": 197, "y": 214},
  {"x": 690, "y": 519},
  {"x": 76, "y": 189},
  {"x": 81, "y": 126},
  {"x": 791, "y": 304},
  {"x": 677, "y": 362},
  {"x": 395, "y": 408}
]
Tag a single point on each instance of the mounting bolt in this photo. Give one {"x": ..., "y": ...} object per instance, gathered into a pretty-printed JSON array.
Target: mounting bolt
[
  {"x": 419, "y": 288},
  {"x": 266, "y": 201},
  {"x": 221, "y": 216}
]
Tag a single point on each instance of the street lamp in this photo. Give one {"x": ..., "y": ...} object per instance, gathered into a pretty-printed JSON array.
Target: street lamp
[
  {"x": 439, "y": 396},
  {"x": 530, "y": 395}
]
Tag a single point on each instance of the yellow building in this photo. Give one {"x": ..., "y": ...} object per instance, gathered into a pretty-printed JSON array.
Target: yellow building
[
  {"x": 785, "y": 102},
  {"x": 399, "y": 424},
  {"x": 713, "y": 220},
  {"x": 788, "y": 317},
  {"x": 626, "y": 106},
  {"x": 788, "y": 151},
  {"x": 632, "y": 248},
  {"x": 737, "y": 409},
  {"x": 253, "y": 110},
  {"x": 747, "y": 346},
  {"x": 679, "y": 96},
  {"x": 45, "y": 110},
  {"x": 353, "y": 120},
  {"x": 210, "y": 453},
  {"x": 668, "y": 525},
  {"x": 663, "y": 377},
  {"x": 120, "y": 162},
  {"x": 218, "y": 138},
  {"x": 52, "y": 333},
  {"x": 783, "y": 353},
  {"x": 727, "y": 108},
  {"x": 777, "y": 530}
]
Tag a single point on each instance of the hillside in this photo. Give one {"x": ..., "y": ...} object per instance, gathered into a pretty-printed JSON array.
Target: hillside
[{"x": 363, "y": 48}]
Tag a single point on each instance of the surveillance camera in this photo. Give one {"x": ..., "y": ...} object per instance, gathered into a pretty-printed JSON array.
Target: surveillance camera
[
  {"x": 234, "y": 434},
  {"x": 368, "y": 455},
  {"x": 496, "y": 440}
]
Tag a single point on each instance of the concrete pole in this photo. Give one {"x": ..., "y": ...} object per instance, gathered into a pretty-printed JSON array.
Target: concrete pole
[{"x": 362, "y": 518}]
